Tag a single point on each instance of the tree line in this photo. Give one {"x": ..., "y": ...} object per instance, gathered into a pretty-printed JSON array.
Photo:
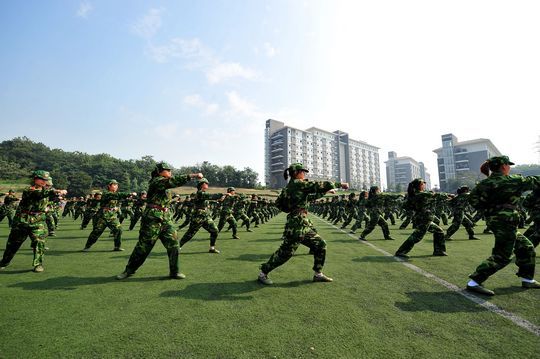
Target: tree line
[{"x": 80, "y": 172}]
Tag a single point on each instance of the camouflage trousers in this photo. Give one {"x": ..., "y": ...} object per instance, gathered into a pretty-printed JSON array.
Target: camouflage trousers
[
  {"x": 152, "y": 230},
  {"x": 19, "y": 232},
  {"x": 507, "y": 240},
  {"x": 243, "y": 217},
  {"x": 533, "y": 233},
  {"x": 458, "y": 220},
  {"x": 421, "y": 227},
  {"x": 87, "y": 216},
  {"x": 7, "y": 212},
  {"x": 375, "y": 219},
  {"x": 137, "y": 214},
  {"x": 298, "y": 230},
  {"x": 100, "y": 225},
  {"x": 199, "y": 220},
  {"x": 361, "y": 217},
  {"x": 229, "y": 218}
]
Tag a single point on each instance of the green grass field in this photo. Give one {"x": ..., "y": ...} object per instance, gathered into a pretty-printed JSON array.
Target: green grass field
[{"x": 376, "y": 307}]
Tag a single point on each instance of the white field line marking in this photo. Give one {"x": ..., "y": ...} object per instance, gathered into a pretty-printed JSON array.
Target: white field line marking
[{"x": 525, "y": 324}]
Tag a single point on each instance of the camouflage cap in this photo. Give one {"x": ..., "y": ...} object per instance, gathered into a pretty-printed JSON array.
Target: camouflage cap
[
  {"x": 11, "y": 191},
  {"x": 49, "y": 181},
  {"x": 44, "y": 175},
  {"x": 201, "y": 181},
  {"x": 161, "y": 166},
  {"x": 144, "y": 192},
  {"x": 113, "y": 181},
  {"x": 298, "y": 167},
  {"x": 231, "y": 189},
  {"x": 500, "y": 160},
  {"x": 98, "y": 193}
]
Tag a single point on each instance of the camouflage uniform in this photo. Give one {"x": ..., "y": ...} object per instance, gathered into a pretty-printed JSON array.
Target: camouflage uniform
[
  {"x": 29, "y": 220},
  {"x": 299, "y": 229},
  {"x": 201, "y": 217},
  {"x": 497, "y": 196},
  {"x": 157, "y": 223},
  {"x": 107, "y": 216},
  {"x": 532, "y": 204},
  {"x": 9, "y": 207},
  {"x": 422, "y": 203},
  {"x": 226, "y": 214},
  {"x": 138, "y": 209},
  {"x": 459, "y": 205},
  {"x": 375, "y": 204},
  {"x": 91, "y": 209}
]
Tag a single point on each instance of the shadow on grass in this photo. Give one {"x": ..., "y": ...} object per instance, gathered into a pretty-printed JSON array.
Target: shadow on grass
[
  {"x": 375, "y": 259},
  {"x": 225, "y": 291},
  {"x": 261, "y": 257},
  {"x": 508, "y": 290},
  {"x": 438, "y": 302},
  {"x": 71, "y": 283}
]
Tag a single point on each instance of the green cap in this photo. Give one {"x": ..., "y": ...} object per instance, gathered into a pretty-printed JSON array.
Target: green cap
[
  {"x": 500, "y": 160},
  {"x": 231, "y": 189},
  {"x": 298, "y": 167},
  {"x": 163, "y": 166},
  {"x": 113, "y": 181},
  {"x": 44, "y": 175}
]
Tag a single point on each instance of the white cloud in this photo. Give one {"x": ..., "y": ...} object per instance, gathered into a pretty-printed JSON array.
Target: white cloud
[
  {"x": 243, "y": 107},
  {"x": 84, "y": 9},
  {"x": 224, "y": 71},
  {"x": 269, "y": 50},
  {"x": 149, "y": 24},
  {"x": 197, "y": 102},
  {"x": 167, "y": 130}
]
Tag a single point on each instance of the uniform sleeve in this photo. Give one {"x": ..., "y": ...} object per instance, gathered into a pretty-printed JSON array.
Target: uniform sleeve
[
  {"x": 531, "y": 182},
  {"x": 319, "y": 187}
]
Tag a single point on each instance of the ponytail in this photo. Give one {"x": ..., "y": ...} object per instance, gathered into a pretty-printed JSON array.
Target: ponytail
[
  {"x": 485, "y": 167},
  {"x": 411, "y": 189},
  {"x": 155, "y": 173},
  {"x": 286, "y": 174}
]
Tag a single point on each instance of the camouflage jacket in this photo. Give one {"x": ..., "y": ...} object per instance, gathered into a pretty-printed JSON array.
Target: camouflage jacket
[
  {"x": 33, "y": 205},
  {"x": 300, "y": 192},
  {"x": 459, "y": 203},
  {"x": 228, "y": 203},
  {"x": 201, "y": 200},
  {"x": 500, "y": 194},
  {"x": 10, "y": 200}
]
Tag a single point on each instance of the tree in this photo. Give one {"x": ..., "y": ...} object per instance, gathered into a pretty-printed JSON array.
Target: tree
[{"x": 80, "y": 183}]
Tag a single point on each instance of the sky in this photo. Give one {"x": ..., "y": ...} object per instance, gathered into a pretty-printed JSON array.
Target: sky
[{"x": 194, "y": 81}]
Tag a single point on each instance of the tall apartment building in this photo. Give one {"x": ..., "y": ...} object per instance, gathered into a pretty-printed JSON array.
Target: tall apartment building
[
  {"x": 402, "y": 170},
  {"x": 455, "y": 159},
  {"x": 328, "y": 156}
]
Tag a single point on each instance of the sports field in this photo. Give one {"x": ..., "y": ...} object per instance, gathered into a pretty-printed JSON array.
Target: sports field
[{"x": 376, "y": 307}]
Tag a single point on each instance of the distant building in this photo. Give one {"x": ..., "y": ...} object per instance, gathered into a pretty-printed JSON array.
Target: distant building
[
  {"x": 402, "y": 170},
  {"x": 328, "y": 156},
  {"x": 459, "y": 160}
]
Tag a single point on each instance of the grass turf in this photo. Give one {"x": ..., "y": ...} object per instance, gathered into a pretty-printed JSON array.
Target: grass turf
[{"x": 375, "y": 308}]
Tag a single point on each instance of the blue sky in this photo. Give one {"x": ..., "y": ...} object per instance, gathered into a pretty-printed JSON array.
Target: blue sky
[{"x": 189, "y": 81}]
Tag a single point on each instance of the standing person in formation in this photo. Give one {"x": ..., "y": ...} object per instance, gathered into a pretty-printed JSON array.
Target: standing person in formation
[
  {"x": 532, "y": 205},
  {"x": 201, "y": 216},
  {"x": 226, "y": 215},
  {"x": 157, "y": 222},
  {"x": 107, "y": 216},
  {"x": 295, "y": 198},
  {"x": 91, "y": 209},
  {"x": 459, "y": 206},
  {"x": 375, "y": 205},
  {"x": 498, "y": 196},
  {"x": 138, "y": 209},
  {"x": 422, "y": 202},
  {"x": 9, "y": 207},
  {"x": 29, "y": 220}
]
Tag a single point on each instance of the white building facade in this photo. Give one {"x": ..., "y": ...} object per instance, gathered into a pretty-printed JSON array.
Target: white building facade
[{"x": 327, "y": 155}]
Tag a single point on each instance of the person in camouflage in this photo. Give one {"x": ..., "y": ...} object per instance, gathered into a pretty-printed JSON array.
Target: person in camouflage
[
  {"x": 138, "y": 209},
  {"x": 29, "y": 221},
  {"x": 459, "y": 205},
  {"x": 361, "y": 214},
  {"x": 299, "y": 229},
  {"x": 422, "y": 203},
  {"x": 497, "y": 196},
  {"x": 375, "y": 204},
  {"x": 532, "y": 205},
  {"x": 226, "y": 215},
  {"x": 201, "y": 215},
  {"x": 91, "y": 209},
  {"x": 9, "y": 207},
  {"x": 239, "y": 212},
  {"x": 107, "y": 216},
  {"x": 157, "y": 222}
]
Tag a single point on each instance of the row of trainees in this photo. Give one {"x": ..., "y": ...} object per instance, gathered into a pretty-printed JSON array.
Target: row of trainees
[
  {"x": 378, "y": 208},
  {"x": 497, "y": 197},
  {"x": 256, "y": 209},
  {"x": 32, "y": 212}
]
